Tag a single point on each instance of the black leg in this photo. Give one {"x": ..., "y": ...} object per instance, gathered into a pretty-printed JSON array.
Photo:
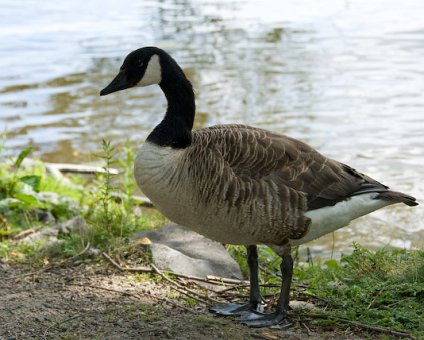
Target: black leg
[
  {"x": 280, "y": 314},
  {"x": 254, "y": 304},
  {"x": 252, "y": 261},
  {"x": 287, "y": 273}
]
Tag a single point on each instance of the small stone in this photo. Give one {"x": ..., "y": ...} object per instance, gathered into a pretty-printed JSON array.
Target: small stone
[
  {"x": 76, "y": 224},
  {"x": 44, "y": 216},
  {"x": 46, "y": 236},
  {"x": 302, "y": 305},
  {"x": 93, "y": 251}
]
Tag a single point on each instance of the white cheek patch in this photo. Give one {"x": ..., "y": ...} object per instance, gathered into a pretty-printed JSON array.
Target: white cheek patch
[{"x": 153, "y": 74}]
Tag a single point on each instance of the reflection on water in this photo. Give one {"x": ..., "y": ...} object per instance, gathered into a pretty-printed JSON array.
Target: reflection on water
[{"x": 346, "y": 77}]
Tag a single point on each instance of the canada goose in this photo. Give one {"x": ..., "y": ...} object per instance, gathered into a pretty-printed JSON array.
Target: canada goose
[{"x": 242, "y": 185}]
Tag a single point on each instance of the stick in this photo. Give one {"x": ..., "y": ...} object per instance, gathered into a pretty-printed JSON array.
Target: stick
[
  {"x": 225, "y": 280},
  {"x": 60, "y": 323},
  {"x": 182, "y": 287},
  {"x": 24, "y": 233},
  {"x": 80, "y": 253},
  {"x": 361, "y": 325}
]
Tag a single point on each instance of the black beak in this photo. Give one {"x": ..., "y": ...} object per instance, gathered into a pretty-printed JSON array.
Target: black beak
[{"x": 119, "y": 83}]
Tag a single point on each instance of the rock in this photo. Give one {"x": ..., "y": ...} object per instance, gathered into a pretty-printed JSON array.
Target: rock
[
  {"x": 302, "y": 305},
  {"x": 4, "y": 266},
  {"x": 46, "y": 236},
  {"x": 43, "y": 216},
  {"x": 56, "y": 199},
  {"x": 50, "y": 197},
  {"x": 76, "y": 224},
  {"x": 180, "y": 250},
  {"x": 93, "y": 251},
  {"x": 49, "y": 236}
]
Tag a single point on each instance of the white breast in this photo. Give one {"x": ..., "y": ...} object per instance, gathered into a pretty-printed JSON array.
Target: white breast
[
  {"x": 155, "y": 170},
  {"x": 160, "y": 173},
  {"x": 329, "y": 219}
]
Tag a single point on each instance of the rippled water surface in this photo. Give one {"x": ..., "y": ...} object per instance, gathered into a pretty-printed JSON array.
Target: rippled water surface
[{"x": 345, "y": 76}]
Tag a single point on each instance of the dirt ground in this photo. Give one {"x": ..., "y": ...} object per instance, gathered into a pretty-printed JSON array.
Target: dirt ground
[{"x": 97, "y": 302}]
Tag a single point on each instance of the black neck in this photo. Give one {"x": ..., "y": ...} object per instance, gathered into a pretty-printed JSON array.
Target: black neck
[{"x": 175, "y": 128}]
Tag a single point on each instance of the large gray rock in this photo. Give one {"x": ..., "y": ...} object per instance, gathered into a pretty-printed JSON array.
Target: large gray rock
[{"x": 180, "y": 250}]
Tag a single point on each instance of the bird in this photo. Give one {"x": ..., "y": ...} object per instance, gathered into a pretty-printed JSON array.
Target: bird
[{"x": 242, "y": 185}]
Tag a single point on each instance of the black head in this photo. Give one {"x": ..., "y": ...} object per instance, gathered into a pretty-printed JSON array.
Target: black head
[{"x": 141, "y": 67}]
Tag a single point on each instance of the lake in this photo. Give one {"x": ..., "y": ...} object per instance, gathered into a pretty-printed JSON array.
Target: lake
[{"x": 347, "y": 77}]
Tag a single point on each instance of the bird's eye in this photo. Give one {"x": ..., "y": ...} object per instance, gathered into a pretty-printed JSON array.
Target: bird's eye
[{"x": 140, "y": 63}]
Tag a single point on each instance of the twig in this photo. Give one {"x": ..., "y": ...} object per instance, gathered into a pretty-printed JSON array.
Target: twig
[
  {"x": 307, "y": 328},
  {"x": 24, "y": 233},
  {"x": 225, "y": 280},
  {"x": 376, "y": 296},
  {"x": 243, "y": 285},
  {"x": 269, "y": 272},
  {"x": 112, "y": 261},
  {"x": 80, "y": 253},
  {"x": 361, "y": 325},
  {"x": 182, "y": 287},
  {"x": 60, "y": 323},
  {"x": 185, "y": 292}
]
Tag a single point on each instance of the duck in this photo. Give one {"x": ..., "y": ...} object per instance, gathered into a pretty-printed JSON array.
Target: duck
[{"x": 242, "y": 185}]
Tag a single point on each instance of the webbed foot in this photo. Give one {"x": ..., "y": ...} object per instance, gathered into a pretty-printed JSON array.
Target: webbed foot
[
  {"x": 237, "y": 308},
  {"x": 257, "y": 320}
]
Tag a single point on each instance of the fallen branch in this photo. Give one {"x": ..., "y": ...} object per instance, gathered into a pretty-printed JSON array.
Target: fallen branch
[{"x": 81, "y": 169}]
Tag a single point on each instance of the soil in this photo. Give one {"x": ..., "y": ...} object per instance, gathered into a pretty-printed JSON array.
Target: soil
[{"x": 94, "y": 301}]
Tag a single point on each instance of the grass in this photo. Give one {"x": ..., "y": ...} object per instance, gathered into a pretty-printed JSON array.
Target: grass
[{"x": 383, "y": 288}]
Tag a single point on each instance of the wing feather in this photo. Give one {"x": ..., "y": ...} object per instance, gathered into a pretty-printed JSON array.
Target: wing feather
[{"x": 253, "y": 153}]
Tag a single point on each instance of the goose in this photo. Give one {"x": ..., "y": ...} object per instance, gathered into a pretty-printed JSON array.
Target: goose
[{"x": 242, "y": 185}]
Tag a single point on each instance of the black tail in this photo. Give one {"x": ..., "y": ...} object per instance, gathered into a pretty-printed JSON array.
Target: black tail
[{"x": 397, "y": 197}]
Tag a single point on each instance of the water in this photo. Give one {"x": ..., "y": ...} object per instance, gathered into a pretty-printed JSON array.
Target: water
[{"x": 345, "y": 76}]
